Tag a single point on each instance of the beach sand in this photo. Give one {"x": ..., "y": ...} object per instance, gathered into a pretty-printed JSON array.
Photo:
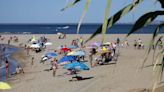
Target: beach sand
[{"x": 124, "y": 76}]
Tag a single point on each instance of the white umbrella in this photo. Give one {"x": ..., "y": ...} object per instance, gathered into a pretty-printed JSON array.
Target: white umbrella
[
  {"x": 35, "y": 46},
  {"x": 48, "y": 43}
]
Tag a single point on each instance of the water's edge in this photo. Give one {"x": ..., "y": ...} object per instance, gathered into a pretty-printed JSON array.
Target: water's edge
[{"x": 10, "y": 50}]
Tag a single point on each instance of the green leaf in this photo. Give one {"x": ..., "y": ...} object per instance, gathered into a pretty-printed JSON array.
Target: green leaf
[
  {"x": 70, "y": 5},
  {"x": 156, "y": 32},
  {"x": 83, "y": 14},
  {"x": 162, "y": 3},
  {"x": 113, "y": 19},
  {"x": 145, "y": 20},
  {"x": 157, "y": 57},
  {"x": 162, "y": 66},
  {"x": 154, "y": 35},
  {"x": 104, "y": 26}
]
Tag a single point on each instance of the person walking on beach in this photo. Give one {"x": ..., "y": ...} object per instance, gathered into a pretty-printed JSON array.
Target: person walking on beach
[
  {"x": 32, "y": 60},
  {"x": 118, "y": 41},
  {"x": 81, "y": 41},
  {"x": 8, "y": 42},
  {"x": 135, "y": 44},
  {"x": 54, "y": 66}
]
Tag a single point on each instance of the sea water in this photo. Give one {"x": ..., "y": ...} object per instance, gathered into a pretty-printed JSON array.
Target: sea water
[
  {"x": 70, "y": 29},
  {"x": 12, "y": 63}
]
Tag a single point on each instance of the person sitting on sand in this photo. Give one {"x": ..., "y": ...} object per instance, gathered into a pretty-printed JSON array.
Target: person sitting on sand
[
  {"x": 18, "y": 70},
  {"x": 99, "y": 61},
  {"x": 71, "y": 71}
]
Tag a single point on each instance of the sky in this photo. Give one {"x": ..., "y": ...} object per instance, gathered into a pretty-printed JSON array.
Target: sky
[{"x": 48, "y": 11}]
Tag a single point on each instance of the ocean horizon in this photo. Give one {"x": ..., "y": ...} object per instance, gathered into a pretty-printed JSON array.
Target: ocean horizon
[{"x": 71, "y": 28}]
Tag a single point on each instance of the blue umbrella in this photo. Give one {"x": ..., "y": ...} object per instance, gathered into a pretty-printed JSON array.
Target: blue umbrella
[
  {"x": 67, "y": 59},
  {"x": 51, "y": 54},
  {"x": 72, "y": 47},
  {"x": 77, "y": 53},
  {"x": 76, "y": 66},
  {"x": 80, "y": 53}
]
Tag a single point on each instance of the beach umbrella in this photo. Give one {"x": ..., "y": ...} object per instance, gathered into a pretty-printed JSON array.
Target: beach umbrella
[
  {"x": 71, "y": 53},
  {"x": 76, "y": 66},
  {"x": 48, "y": 43},
  {"x": 4, "y": 86},
  {"x": 91, "y": 46},
  {"x": 65, "y": 49},
  {"x": 102, "y": 49},
  {"x": 72, "y": 47},
  {"x": 35, "y": 46},
  {"x": 98, "y": 44},
  {"x": 67, "y": 59},
  {"x": 107, "y": 43},
  {"x": 77, "y": 53},
  {"x": 51, "y": 54}
]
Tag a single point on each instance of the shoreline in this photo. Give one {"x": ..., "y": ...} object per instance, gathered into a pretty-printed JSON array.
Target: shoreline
[{"x": 13, "y": 58}]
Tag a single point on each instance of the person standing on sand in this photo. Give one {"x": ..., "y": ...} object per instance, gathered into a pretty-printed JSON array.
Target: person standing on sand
[
  {"x": 7, "y": 69},
  {"x": 54, "y": 66},
  {"x": 81, "y": 41},
  {"x": 8, "y": 42},
  {"x": 135, "y": 44},
  {"x": 118, "y": 41},
  {"x": 92, "y": 52},
  {"x": 32, "y": 60}
]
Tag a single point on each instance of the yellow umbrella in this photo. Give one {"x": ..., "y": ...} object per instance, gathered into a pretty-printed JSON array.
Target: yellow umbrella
[
  {"x": 4, "y": 86},
  {"x": 104, "y": 49},
  {"x": 71, "y": 53}
]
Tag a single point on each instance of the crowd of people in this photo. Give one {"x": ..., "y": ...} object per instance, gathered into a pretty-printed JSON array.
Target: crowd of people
[{"x": 99, "y": 53}]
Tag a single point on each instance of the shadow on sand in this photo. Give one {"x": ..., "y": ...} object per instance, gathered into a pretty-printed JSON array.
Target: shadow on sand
[{"x": 79, "y": 78}]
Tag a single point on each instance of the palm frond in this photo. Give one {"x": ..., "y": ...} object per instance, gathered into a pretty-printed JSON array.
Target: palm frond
[
  {"x": 104, "y": 26},
  {"x": 70, "y": 4},
  {"x": 113, "y": 19},
  {"x": 83, "y": 15},
  {"x": 162, "y": 3},
  {"x": 145, "y": 20},
  {"x": 156, "y": 32}
]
